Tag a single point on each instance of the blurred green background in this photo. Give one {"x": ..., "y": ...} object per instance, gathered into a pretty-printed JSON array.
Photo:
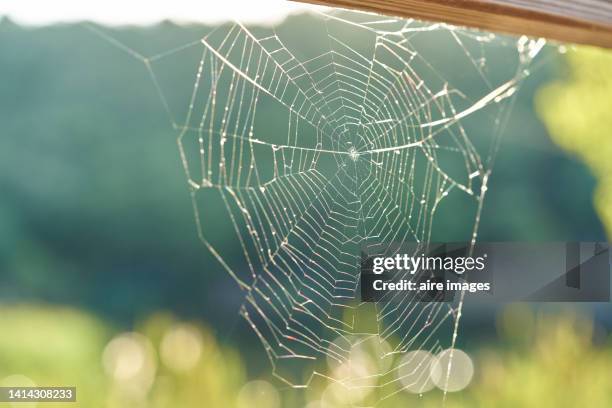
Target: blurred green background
[{"x": 100, "y": 263}]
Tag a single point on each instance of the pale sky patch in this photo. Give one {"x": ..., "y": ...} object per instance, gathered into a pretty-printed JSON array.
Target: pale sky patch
[{"x": 141, "y": 12}]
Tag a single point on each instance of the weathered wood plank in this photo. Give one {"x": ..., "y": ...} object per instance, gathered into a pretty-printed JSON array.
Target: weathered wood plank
[{"x": 573, "y": 21}]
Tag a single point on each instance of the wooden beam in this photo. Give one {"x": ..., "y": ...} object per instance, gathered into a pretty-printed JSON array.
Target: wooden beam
[{"x": 573, "y": 21}]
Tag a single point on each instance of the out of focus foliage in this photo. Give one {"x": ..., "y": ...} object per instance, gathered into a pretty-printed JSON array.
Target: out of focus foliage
[
  {"x": 163, "y": 363},
  {"x": 52, "y": 346},
  {"x": 546, "y": 360},
  {"x": 554, "y": 361},
  {"x": 578, "y": 113}
]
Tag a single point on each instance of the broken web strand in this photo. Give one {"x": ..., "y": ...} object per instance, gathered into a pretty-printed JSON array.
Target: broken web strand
[{"x": 300, "y": 226}]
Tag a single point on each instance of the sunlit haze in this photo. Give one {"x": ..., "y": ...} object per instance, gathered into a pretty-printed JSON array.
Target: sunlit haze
[{"x": 118, "y": 12}]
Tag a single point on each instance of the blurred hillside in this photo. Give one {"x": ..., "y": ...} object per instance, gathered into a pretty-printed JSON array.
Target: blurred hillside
[{"x": 95, "y": 211}]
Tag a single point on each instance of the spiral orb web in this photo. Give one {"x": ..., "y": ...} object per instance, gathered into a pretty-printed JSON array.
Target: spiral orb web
[{"x": 306, "y": 150}]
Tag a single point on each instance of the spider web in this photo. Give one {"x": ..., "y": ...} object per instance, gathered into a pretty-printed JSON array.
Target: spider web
[{"x": 314, "y": 154}]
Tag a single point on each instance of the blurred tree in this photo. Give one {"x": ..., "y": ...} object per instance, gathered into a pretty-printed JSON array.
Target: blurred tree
[{"x": 577, "y": 112}]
